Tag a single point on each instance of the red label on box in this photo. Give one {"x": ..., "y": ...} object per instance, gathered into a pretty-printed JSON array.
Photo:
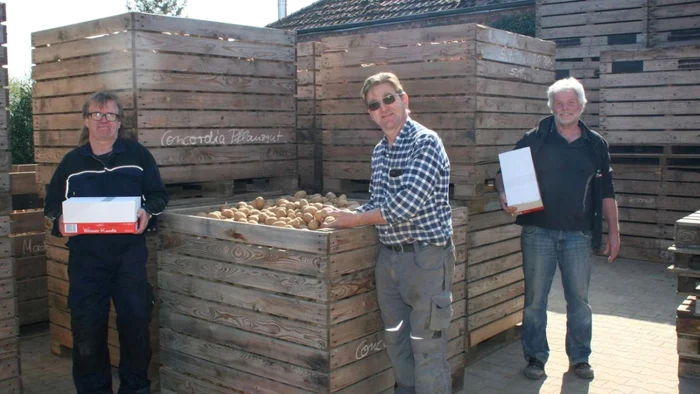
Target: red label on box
[{"x": 100, "y": 228}]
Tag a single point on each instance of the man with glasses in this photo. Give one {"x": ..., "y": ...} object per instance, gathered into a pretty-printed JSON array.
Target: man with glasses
[
  {"x": 572, "y": 163},
  {"x": 108, "y": 266},
  {"x": 410, "y": 207}
]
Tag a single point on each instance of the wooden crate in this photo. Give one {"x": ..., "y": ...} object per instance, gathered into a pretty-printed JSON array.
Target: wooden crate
[
  {"x": 59, "y": 312},
  {"x": 28, "y": 249},
  {"x": 213, "y": 102},
  {"x": 309, "y": 148},
  {"x": 10, "y": 374},
  {"x": 585, "y": 28},
  {"x": 687, "y": 323},
  {"x": 674, "y": 23},
  {"x": 646, "y": 96},
  {"x": 479, "y": 88},
  {"x": 251, "y": 307}
]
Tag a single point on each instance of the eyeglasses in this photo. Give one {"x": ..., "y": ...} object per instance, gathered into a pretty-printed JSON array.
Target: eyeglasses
[
  {"x": 97, "y": 116},
  {"x": 387, "y": 100}
]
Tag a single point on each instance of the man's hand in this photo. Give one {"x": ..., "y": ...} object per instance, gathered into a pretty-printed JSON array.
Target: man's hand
[
  {"x": 342, "y": 220},
  {"x": 612, "y": 247},
  {"x": 142, "y": 217},
  {"x": 61, "y": 228},
  {"x": 504, "y": 204}
]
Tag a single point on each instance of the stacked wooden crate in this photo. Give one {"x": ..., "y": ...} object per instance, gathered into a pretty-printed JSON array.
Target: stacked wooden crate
[
  {"x": 686, "y": 252},
  {"x": 650, "y": 118},
  {"x": 480, "y": 89},
  {"x": 582, "y": 29},
  {"x": 674, "y": 23},
  {"x": 309, "y": 147},
  {"x": 213, "y": 102},
  {"x": 255, "y": 308},
  {"x": 10, "y": 380},
  {"x": 28, "y": 249}
]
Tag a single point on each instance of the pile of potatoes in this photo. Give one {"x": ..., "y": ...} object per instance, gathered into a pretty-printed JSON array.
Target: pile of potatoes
[{"x": 299, "y": 211}]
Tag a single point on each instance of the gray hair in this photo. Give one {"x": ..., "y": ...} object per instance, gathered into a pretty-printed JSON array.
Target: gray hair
[{"x": 564, "y": 85}]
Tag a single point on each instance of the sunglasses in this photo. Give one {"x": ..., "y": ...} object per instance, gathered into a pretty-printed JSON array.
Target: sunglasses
[{"x": 387, "y": 100}]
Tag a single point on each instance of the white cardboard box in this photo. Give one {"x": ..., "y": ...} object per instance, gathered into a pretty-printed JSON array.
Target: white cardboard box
[
  {"x": 100, "y": 215},
  {"x": 520, "y": 180}
]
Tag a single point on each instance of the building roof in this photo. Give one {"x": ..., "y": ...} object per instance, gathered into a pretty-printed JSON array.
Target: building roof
[{"x": 328, "y": 13}]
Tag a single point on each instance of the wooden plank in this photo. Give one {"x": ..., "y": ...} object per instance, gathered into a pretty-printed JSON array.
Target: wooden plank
[
  {"x": 109, "y": 25},
  {"x": 120, "y": 80},
  {"x": 650, "y": 123},
  {"x": 226, "y": 31},
  {"x": 492, "y": 267},
  {"x": 213, "y": 101},
  {"x": 32, "y": 289},
  {"x": 213, "y": 65},
  {"x": 441, "y": 69},
  {"x": 108, "y": 62},
  {"x": 74, "y": 104},
  {"x": 220, "y": 172},
  {"x": 22, "y": 183},
  {"x": 515, "y": 56},
  {"x": 488, "y": 331},
  {"x": 215, "y": 155},
  {"x": 494, "y": 282},
  {"x": 155, "y": 80},
  {"x": 495, "y": 297},
  {"x": 663, "y": 108},
  {"x": 398, "y": 37},
  {"x": 215, "y": 119},
  {"x": 447, "y": 86},
  {"x": 81, "y": 48},
  {"x": 662, "y": 78},
  {"x": 594, "y": 30},
  {"x": 72, "y": 121},
  {"x": 212, "y": 47},
  {"x": 587, "y": 6},
  {"x": 249, "y": 303},
  {"x": 35, "y": 311}
]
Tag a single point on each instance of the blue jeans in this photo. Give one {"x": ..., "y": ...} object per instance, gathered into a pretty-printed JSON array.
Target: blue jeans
[{"x": 543, "y": 250}]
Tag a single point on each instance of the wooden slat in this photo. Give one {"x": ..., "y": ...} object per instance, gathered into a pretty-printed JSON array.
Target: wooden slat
[{"x": 109, "y": 25}]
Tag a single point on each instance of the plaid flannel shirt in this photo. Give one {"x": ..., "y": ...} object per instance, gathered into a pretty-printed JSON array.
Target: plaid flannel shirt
[{"x": 415, "y": 203}]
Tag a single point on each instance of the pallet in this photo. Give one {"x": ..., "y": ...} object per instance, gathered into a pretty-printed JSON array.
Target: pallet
[
  {"x": 494, "y": 343},
  {"x": 324, "y": 334},
  {"x": 211, "y": 101},
  {"x": 478, "y": 88},
  {"x": 673, "y": 23},
  {"x": 309, "y": 148}
]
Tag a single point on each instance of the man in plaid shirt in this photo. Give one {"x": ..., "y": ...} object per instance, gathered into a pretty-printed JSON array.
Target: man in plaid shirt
[{"x": 409, "y": 205}]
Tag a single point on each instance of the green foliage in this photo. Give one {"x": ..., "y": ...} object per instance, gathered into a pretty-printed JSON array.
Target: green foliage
[
  {"x": 21, "y": 127},
  {"x": 522, "y": 23},
  {"x": 160, "y": 7}
]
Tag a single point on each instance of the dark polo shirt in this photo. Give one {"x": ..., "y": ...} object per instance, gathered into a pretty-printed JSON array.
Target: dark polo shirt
[{"x": 565, "y": 175}]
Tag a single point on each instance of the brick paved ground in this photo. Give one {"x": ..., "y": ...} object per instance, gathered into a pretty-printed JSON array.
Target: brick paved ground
[{"x": 634, "y": 343}]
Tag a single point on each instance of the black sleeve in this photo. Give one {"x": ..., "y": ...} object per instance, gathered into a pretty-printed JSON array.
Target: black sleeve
[
  {"x": 607, "y": 172},
  {"x": 55, "y": 195},
  {"x": 154, "y": 191}
]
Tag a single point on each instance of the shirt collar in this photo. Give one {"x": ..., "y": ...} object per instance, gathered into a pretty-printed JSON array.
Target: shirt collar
[
  {"x": 406, "y": 133},
  {"x": 585, "y": 131},
  {"x": 119, "y": 146}
]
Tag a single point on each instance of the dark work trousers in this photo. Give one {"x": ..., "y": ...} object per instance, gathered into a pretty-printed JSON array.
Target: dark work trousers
[
  {"x": 414, "y": 289},
  {"x": 101, "y": 268}
]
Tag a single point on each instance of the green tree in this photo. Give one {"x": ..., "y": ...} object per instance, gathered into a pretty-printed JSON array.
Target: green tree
[
  {"x": 21, "y": 127},
  {"x": 521, "y": 23},
  {"x": 160, "y": 7}
]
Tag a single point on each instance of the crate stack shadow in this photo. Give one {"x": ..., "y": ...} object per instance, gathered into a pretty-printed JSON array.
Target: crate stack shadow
[
  {"x": 250, "y": 308},
  {"x": 10, "y": 374},
  {"x": 28, "y": 248},
  {"x": 213, "y": 102},
  {"x": 686, "y": 254},
  {"x": 480, "y": 89},
  {"x": 582, "y": 30},
  {"x": 650, "y": 116},
  {"x": 309, "y": 148},
  {"x": 674, "y": 23}
]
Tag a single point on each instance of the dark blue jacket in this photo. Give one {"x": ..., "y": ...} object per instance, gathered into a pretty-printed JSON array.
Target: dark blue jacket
[{"x": 129, "y": 171}]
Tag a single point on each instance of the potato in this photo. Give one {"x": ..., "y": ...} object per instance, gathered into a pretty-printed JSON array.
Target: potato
[
  {"x": 242, "y": 220},
  {"x": 245, "y": 211},
  {"x": 269, "y": 221},
  {"x": 321, "y": 215},
  {"x": 239, "y": 215},
  {"x": 330, "y": 195},
  {"x": 281, "y": 202},
  {"x": 307, "y": 217},
  {"x": 279, "y": 223},
  {"x": 262, "y": 217},
  {"x": 315, "y": 199},
  {"x": 214, "y": 215},
  {"x": 254, "y": 218},
  {"x": 296, "y": 222},
  {"x": 229, "y": 220},
  {"x": 310, "y": 209},
  {"x": 318, "y": 205},
  {"x": 303, "y": 202},
  {"x": 285, "y": 219},
  {"x": 201, "y": 214},
  {"x": 259, "y": 202},
  {"x": 281, "y": 213},
  {"x": 228, "y": 213},
  {"x": 314, "y": 225},
  {"x": 291, "y": 214},
  {"x": 290, "y": 205},
  {"x": 329, "y": 220},
  {"x": 241, "y": 204},
  {"x": 300, "y": 194},
  {"x": 297, "y": 204},
  {"x": 288, "y": 226},
  {"x": 342, "y": 197},
  {"x": 252, "y": 221}
]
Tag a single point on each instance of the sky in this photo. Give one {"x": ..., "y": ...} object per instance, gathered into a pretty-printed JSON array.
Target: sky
[{"x": 27, "y": 16}]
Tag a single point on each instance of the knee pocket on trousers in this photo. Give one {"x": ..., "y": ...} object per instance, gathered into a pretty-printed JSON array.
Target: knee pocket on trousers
[{"x": 440, "y": 311}]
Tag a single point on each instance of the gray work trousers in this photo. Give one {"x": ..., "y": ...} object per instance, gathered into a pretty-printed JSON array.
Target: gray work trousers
[{"x": 414, "y": 289}]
